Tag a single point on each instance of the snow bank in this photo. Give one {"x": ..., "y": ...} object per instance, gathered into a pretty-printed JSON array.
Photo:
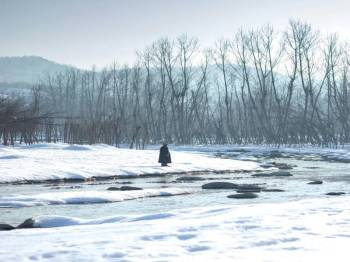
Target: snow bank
[
  {"x": 307, "y": 230},
  {"x": 86, "y": 197},
  {"x": 61, "y": 161},
  {"x": 63, "y": 221}
]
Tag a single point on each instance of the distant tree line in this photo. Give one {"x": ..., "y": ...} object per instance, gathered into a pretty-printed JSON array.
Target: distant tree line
[{"x": 261, "y": 87}]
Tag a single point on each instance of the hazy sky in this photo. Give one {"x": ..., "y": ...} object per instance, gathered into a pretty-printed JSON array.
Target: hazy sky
[{"x": 97, "y": 32}]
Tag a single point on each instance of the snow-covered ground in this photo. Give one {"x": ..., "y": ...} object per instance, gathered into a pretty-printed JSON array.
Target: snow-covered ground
[
  {"x": 299, "y": 226},
  {"x": 307, "y": 230},
  {"x": 62, "y": 161}
]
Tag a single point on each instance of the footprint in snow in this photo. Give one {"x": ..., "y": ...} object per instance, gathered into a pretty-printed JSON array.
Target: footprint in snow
[
  {"x": 186, "y": 236},
  {"x": 197, "y": 248}
]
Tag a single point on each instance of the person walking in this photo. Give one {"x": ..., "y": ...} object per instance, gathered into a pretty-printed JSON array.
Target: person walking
[{"x": 164, "y": 155}]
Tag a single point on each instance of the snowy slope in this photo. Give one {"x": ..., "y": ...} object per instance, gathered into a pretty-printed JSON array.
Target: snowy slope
[
  {"x": 307, "y": 230},
  {"x": 27, "y": 69},
  {"x": 61, "y": 161}
]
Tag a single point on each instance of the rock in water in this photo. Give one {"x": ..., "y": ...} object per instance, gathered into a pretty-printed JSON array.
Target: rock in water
[
  {"x": 272, "y": 190},
  {"x": 273, "y": 174},
  {"x": 189, "y": 178},
  {"x": 220, "y": 185},
  {"x": 248, "y": 187},
  {"x": 6, "y": 227},
  {"x": 28, "y": 223},
  {"x": 248, "y": 190},
  {"x": 124, "y": 188},
  {"x": 243, "y": 196},
  {"x": 281, "y": 173},
  {"x": 283, "y": 166},
  {"x": 335, "y": 193},
  {"x": 113, "y": 188},
  {"x": 275, "y": 154},
  {"x": 317, "y": 182},
  {"x": 262, "y": 175},
  {"x": 267, "y": 165},
  {"x": 312, "y": 167}
]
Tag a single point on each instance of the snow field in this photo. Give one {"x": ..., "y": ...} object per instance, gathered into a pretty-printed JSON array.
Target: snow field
[
  {"x": 306, "y": 230},
  {"x": 60, "y": 161}
]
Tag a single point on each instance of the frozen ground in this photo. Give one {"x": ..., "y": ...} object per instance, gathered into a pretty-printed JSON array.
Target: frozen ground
[
  {"x": 61, "y": 161},
  {"x": 307, "y": 230}
]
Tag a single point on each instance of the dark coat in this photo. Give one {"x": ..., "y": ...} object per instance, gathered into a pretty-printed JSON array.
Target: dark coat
[{"x": 164, "y": 155}]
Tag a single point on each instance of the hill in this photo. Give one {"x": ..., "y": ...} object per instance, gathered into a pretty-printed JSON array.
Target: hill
[{"x": 27, "y": 69}]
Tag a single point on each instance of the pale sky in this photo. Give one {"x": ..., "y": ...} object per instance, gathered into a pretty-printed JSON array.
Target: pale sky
[{"x": 97, "y": 32}]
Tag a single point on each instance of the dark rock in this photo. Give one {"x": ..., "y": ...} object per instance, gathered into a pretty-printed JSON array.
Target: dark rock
[
  {"x": 75, "y": 187},
  {"x": 273, "y": 174},
  {"x": 220, "y": 185},
  {"x": 267, "y": 165},
  {"x": 248, "y": 190},
  {"x": 335, "y": 159},
  {"x": 77, "y": 179},
  {"x": 281, "y": 173},
  {"x": 238, "y": 150},
  {"x": 113, "y": 188},
  {"x": 316, "y": 182},
  {"x": 283, "y": 166},
  {"x": 248, "y": 187},
  {"x": 221, "y": 171},
  {"x": 262, "y": 175},
  {"x": 28, "y": 223},
  {"x": 275, "y": 154},
  {"x": 343, "y": 160},
  {"x": 125, "y": 182},
  {"x": 335, "y": 193},
  {"x": 221, "y": 178},
  {"x": 243, "y": 196},
  {"x": 51, "y": 185},
  {"x": 189, "y": 178},
  {"x": 272, "y": 190},
  {"x": 63, "y": 187},
  {"x": 157, "y": 182},
  {"x": 312, "y": 167},
  {"x": 55, "y": 187},
  {"x": 124, "y": 188},
  {"x": 6, "y": 227}
]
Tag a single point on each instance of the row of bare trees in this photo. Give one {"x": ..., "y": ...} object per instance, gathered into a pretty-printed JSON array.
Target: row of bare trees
[
  {"x": 262, "y": 86},
  {"x": 22, "y": 121}
]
